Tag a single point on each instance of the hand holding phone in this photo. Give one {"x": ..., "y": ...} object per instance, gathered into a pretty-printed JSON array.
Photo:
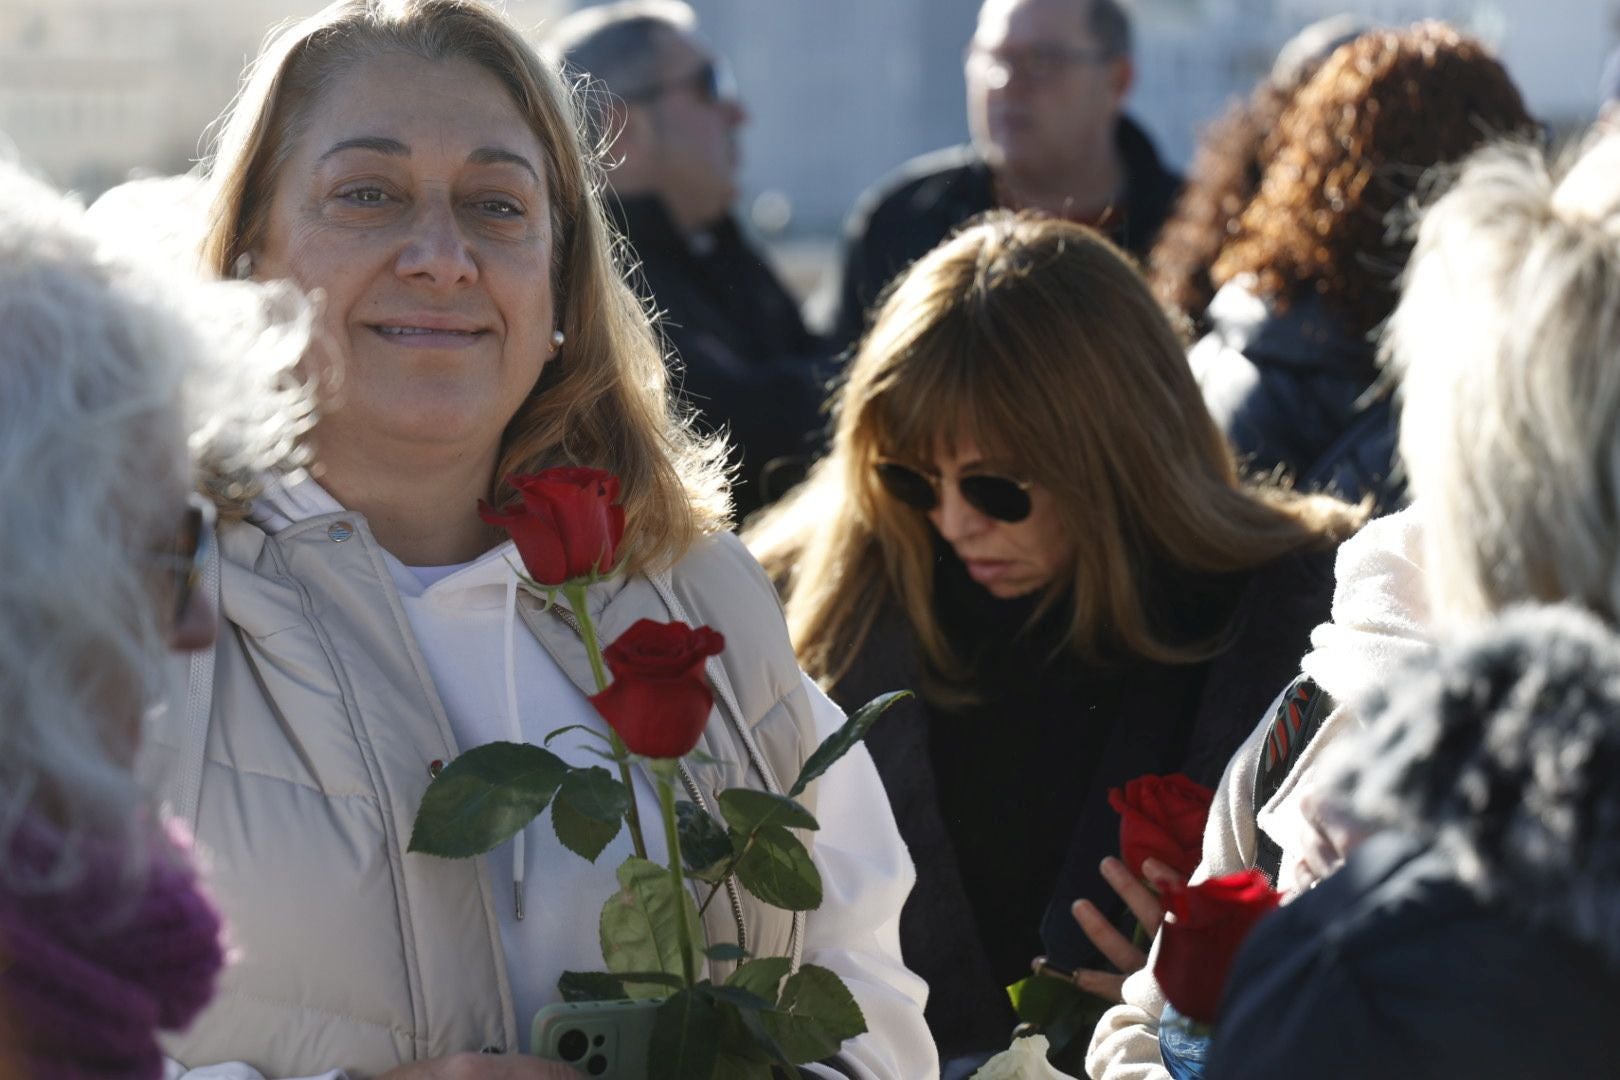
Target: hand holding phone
[{"x": 604, "y": 1039}]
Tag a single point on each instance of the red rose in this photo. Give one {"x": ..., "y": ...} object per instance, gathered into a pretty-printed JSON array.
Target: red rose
[
  {"x": 1162, "y": 817},
  {"x": 1204, "y": 926},
  {"x": 659, "y": 700},
  {"x": 566, "y": 524}
]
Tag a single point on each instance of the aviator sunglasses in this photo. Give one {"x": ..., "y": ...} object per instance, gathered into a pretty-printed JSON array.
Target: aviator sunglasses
[{"x": 999, "y": 497}]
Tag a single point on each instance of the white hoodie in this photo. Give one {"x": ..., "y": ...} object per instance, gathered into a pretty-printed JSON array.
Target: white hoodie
[{"x": 1380, "y": 621}]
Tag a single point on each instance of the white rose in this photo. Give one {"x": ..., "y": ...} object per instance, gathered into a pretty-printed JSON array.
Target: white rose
[{"x": 1025, "y": 1059}]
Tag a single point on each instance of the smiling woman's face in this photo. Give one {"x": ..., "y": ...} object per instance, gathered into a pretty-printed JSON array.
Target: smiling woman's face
[{"x": 415, "y": 201}]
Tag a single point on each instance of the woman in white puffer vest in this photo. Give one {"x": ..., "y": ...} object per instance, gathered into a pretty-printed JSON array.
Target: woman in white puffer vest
[{"x": 416, "y": 166}]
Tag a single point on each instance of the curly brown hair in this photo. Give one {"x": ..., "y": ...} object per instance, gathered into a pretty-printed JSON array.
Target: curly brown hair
[
  {"x": 1225, "y": 174},
  {"x": 1354, "y": 144}
]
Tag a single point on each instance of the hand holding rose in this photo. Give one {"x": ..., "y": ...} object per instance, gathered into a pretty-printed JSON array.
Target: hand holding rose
[{"x": 1162, "y": 817}]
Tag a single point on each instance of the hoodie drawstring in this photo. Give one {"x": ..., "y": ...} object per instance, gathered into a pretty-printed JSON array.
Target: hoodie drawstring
[{"x": 516, "y": 728}]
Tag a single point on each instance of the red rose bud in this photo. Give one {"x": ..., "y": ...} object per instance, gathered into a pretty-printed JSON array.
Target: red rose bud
[
  {"x": 1204, "y": 926},
  {"x": 659, "y": 700},
  {"x": 565, "y": 523},
  {"x": 1162, "y": 817}
]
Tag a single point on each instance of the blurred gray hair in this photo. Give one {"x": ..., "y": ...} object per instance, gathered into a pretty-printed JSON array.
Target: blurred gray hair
[
  {"x": 1507, "y": 342},
  {"x": 617, "y": 43},
  {"x": 116, "y": 379},
  {"x": 611, "y": 51}
]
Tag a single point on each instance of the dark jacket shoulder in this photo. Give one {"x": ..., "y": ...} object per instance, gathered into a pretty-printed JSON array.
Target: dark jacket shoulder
[
  {"x": 1473, "y": 933},
  {"x": 1300, "y": 390},
  {"x": 745, "y": 359},
  {"x": 1285, "y": 600},
  {"x": 907, "y": 213}
]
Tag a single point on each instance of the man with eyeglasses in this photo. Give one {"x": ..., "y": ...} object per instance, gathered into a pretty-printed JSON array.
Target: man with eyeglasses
[
  {"x": 670, "y": 118},
  {"x": 1046, "y": 80}
]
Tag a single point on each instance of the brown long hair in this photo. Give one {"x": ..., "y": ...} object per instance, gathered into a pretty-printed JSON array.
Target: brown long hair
[
  {"x": 608, "y": 404},
  {"x": 1037, "y": 338},
  {"x": 1354, "y": 144}
]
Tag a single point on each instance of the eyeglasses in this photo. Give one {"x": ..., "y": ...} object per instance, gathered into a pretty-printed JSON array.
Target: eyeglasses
[
  {"x": 999, "y": 497},
  {"x": 193, "y": 547},
  {"x": 711, "y": 82},
  {"x": 1040, "y": 63}
]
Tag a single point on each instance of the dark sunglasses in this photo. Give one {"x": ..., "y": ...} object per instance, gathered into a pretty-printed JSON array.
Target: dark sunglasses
[
  {"x": 999, "y": 497},
  {"x": 193, "y": 547},
  {"x": 711, "y": 82}
]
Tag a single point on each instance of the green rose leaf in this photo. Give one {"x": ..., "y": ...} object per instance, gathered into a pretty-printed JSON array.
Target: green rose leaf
[
  {"x": 638, "y": 926},
  {"x": 733, "y": 1067},
  {"x": 777, "y": 869},
  {"x": 817, "y": 1014},
  {"x": 747, "y": 810},
  {"x": 484, "y": 797},
  {"x": 839, "y": 742},
  {"x": 737, "y": 997},
  {"x": 1062, "y": 1012},
  {"x": 590, "y": 986},
  {"x": 705, "y": 845},
  {"x": 589, "y": 811},
  {"x": 763, "y": 976},
  {"x": 727, "y": 950},
  {"x": 685, "y": 1038},
  {"x": 744, "y": 1047}
]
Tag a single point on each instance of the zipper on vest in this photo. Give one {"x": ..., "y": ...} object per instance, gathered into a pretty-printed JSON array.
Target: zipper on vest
[{"x": 692, "y": 789}]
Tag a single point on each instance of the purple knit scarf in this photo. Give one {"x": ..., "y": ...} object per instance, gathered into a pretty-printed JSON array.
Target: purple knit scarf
[{"x": 90, "y": 973}]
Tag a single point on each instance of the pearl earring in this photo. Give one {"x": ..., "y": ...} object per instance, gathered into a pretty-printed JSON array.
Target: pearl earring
[{"x": 557, "y": 339}]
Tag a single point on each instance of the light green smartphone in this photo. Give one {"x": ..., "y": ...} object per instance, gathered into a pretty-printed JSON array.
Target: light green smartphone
[{"x": 608, "y": 1039}]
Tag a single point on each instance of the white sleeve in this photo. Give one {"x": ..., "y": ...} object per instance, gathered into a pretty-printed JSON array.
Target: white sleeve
[
  {"x": 866, "y": 875},
  {"x": 231, "y": 1070}
]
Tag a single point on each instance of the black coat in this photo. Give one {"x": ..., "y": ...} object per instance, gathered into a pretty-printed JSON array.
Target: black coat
[
  {"x": 1478, "y": 934},
  {"x": 1299, "y": 390},
  {"x": 1162, "y": 719},
  {"x": 906, "y": 215},
  {"x": 745, "y": 359}
]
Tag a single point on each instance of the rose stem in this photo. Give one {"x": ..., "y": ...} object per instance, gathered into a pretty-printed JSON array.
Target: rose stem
[
  {"x": 666, "y": 795},
  {"x": 593, "y": 649}
]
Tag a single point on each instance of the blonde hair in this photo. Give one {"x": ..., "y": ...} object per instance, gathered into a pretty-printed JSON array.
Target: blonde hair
[
  {"x": 1507, "y": 344},
  {"x": 1036, "y": 338},
  {"x": 607, "y": 405}
]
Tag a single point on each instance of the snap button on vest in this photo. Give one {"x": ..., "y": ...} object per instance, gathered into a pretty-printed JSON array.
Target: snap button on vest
[{"x": 339, "y": 531}]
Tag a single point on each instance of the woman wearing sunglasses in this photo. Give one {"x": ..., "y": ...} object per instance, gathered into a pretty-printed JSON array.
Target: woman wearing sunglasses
[
  {"x": 107, "y": 370},
  {"x": 1028, "y": 516}
]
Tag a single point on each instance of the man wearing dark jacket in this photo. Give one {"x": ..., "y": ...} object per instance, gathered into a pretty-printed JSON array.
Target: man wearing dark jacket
[
  {"x": 1045, "y": 83},
  {"x": 746, "y": 361}
]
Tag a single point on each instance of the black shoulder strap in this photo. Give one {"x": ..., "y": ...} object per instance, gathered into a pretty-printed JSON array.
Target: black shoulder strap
[{"x": 1295, "y": 724}]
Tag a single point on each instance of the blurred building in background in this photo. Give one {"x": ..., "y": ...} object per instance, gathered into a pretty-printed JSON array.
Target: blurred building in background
[{"x": 839, "y": 91}]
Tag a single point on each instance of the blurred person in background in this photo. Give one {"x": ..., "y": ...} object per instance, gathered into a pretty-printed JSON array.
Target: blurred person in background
[
  {"x": 113, "y": 376},
  {"x": 420, "y": 167},
  {"x": 667, "y": 113},
  {"x": 1472, "y": 931},
  {"x": 1289, "y": 368},
  {"x": 1226, "y": 173},
  {"x": 1028, "y": 517},
  {"x": 1046, "y": 85}
]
